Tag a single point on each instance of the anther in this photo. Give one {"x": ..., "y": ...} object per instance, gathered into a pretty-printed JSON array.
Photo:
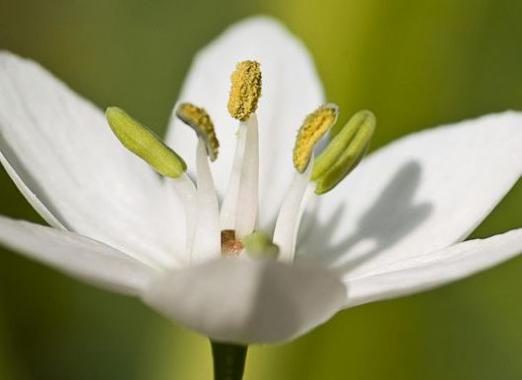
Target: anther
[
  {"x": 144, "y": 143},
  {"x": 313, "y": 129},
  {"x": 199, "y": 120},
  {"x": 245, "y": 90},
  {"x": 344, "y": 152}
]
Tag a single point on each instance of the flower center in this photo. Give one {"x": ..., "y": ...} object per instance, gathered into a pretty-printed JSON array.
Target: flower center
[{"x": 229, "y": 229}]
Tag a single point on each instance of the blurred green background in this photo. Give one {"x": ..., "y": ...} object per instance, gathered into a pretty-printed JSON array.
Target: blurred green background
[{"x": 414, "y": 63}]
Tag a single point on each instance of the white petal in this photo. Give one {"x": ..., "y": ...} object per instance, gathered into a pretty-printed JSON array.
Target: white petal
[
  {"x": 434, "y": 269},
  {"x": 246, "y": 301},
  {"x": 60, "y": 152},
  {"x": 291, "y": 89},
  {"x": 76, "y": 255},
  {"x": 421, "y": 193}
]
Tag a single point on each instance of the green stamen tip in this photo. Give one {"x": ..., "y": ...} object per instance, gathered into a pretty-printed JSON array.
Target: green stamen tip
[
  {"x": 144, "y": 143},
  {"x": 344, "y": 152},
  {"x": 259, "y": 246}
]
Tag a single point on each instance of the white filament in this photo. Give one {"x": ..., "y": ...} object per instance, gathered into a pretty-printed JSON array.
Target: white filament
[
  {"x": 207, "y": 240},
  {"x": 239, "y": 209},
  {"x": 186, "y": 191},
  {"x": 289, "y": 218},
  {"x": 249, "y": 183},
  {"x": 229, "y": 205}
]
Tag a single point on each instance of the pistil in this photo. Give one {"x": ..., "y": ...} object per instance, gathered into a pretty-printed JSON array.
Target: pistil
[{"x": 230, "y": 246}]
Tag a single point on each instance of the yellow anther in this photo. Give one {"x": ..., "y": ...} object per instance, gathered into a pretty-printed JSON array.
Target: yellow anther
[
  {"x": 245, "y": 90},
  {"x": 313, "y": 129},
  {"x": 199, "y": 120}
]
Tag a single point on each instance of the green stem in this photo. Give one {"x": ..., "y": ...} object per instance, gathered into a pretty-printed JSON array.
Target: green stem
[{"x": 229, "y": 360}]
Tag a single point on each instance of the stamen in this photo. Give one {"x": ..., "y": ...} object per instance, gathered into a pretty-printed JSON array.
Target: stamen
[
  {"x": 289, "y": 218},
  {"x": 229, "y": 205},
  {"x": 344, "y": 152},
  {"x": 205, "y": 219},
  {"x": 207, "y": 236},
  {"x": 199, "y": 120},
  {"x": 239, "y": 208},
  {"x": 313, "y": 129},
  {"x": 245, "y": 90},
  {"x": 249, "y": 182},
  {"x": 341, "y": 155},
  {"x": 145, "y": 144},
  {"x": 186, "y": 191}
]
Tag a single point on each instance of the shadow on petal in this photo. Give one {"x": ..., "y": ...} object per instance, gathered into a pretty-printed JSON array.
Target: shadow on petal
[
  {"x": 394, "y": 215},
  {"x": 247, "y": 301}
]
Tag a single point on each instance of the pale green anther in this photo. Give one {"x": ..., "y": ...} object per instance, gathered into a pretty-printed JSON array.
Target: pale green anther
[
  {"x": 344, "y": 152},
  {"x": 144, "y": 143},
  {"x": 259, "y": 246}
]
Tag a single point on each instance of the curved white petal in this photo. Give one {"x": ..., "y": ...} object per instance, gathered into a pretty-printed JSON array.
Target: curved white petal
[
  {"x": 246, "y": 301},
  {"x": 421, "y": 193},
  {"x": 291, "y": 89},
  {"x": 76, "y": 255},
  {"x": 434, "y": 269},
  {"x": 60, "y": 152}
]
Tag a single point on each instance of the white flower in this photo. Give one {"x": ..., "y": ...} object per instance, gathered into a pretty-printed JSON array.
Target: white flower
[{"x": 392, "y": 228}]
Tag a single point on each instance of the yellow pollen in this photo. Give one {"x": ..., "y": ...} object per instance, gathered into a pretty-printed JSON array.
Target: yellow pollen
[
  {"x": 199, "y": 120},
  {"x": 245, "y": 90},
  {"x": 313, "y": 129}
]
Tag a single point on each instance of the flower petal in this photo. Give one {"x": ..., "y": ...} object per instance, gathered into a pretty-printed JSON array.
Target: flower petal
[
  {"x": 246, "y": 301},
  {"x": 434, "y": 269},
  {"x": 76, "y": 255},
  {"x": 60, "y": 152},
  {"x": 422, "y": 193},
  {"x": 291, "y": 89}
]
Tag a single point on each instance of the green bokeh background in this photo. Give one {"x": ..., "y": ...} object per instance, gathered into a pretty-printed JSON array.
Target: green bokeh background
[{"x": 414, "y": 63}]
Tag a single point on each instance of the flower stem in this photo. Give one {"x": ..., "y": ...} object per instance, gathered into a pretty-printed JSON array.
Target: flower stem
[{"x": 229, "y": 360}]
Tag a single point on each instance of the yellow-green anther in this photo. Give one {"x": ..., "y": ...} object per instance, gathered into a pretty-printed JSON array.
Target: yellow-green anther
[
  {"x": 259, "y": 246},
  {"x": 144, "y": 143},
  {"x": 313, "y": 129},
  {"x": 344, "y": 152},
  {"x": 245, "y": 90},
  {"x": 199, "y": 120}
]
